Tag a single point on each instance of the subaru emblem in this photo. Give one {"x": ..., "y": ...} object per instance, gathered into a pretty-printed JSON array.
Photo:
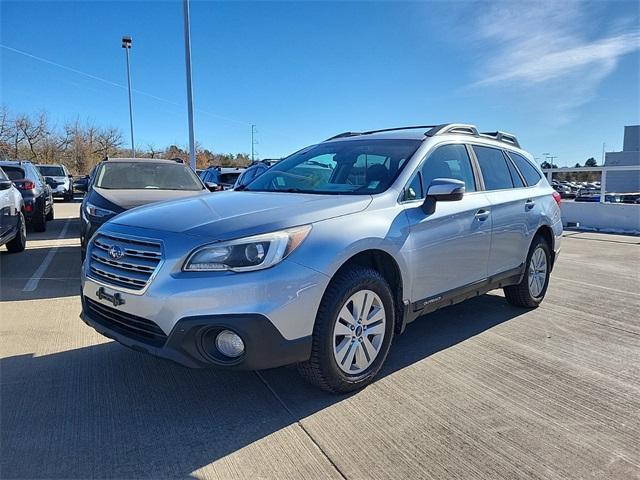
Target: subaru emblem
[{"x": 116, "y": 252}]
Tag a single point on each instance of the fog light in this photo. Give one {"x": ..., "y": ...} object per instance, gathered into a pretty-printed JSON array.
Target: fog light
[{"x": 229, "y": 344}]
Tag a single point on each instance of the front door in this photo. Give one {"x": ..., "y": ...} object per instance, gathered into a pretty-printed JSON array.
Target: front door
[{"x": 448, "y": 249}]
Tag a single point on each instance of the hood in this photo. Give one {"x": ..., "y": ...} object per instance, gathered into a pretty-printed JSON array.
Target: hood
[
  {"x": 127, "y": 199},
  {"x": 232, "y": 214}
]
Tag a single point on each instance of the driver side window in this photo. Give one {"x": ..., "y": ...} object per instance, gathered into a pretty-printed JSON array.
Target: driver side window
[{"x": 448, "y": 161}]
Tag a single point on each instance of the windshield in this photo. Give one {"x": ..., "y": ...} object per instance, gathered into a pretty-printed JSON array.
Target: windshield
[
  {"x": 52, "y": 171},
  {"x": 355, "y": 167},
  {"x": 146, "y": 175}
]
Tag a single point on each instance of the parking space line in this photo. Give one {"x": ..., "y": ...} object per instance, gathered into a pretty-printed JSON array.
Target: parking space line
[{"x": 32, "y": 284}]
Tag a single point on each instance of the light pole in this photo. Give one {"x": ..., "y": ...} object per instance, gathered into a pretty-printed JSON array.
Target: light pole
[
  {"x": 126, "y": 44},
  {"x": 187, "y": 53},
  {"x": 253, "y": 142}
]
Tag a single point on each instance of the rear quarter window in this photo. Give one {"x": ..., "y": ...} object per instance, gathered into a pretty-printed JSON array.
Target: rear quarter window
[
  {"x": 495, "y": 170},
  {"x": 529, "y": 172}
]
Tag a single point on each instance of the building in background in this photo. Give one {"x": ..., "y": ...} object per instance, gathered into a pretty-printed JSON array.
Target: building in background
[{"x": 625, "y": 182}]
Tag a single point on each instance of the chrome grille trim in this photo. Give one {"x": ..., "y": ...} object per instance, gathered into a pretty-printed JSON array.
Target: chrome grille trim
[{"x": 133, "y": 271}]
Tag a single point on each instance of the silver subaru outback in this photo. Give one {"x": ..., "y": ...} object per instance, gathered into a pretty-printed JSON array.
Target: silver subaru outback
[{"x": 326, "y": 256}]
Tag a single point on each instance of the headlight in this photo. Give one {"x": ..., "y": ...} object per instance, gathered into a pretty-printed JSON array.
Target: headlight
[
  {"x": 249, "y": 253},
  {"x": 94, "y": 211}
]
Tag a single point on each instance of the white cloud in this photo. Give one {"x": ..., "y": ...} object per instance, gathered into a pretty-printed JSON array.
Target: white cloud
[{"x": 546, "y": 45}]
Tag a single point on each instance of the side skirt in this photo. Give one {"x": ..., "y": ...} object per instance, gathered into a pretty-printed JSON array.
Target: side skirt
[{"x": 417, "y": 309}]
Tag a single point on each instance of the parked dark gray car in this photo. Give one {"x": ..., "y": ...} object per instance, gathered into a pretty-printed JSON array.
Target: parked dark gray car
[{"x": 119, "y": 184}]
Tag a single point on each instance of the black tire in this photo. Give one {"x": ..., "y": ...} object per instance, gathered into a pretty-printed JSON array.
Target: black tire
[
  {"x": 50, "y": 214},
  {"x": 19, "y": 243},
  {"x": 69, "y": 196},
  {"x": 520, "y": 295},
  {"x": 39, "y": 220},
  {"x": 322, "y": 369}
]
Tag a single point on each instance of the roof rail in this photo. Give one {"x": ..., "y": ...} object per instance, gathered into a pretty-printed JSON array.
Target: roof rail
[
  {"x": 452, "y": 128},
  {"x": 342, "y": 135},
  {"x": 414, "y": 127},
  {"x": 369, "y": 132},
  {"x": 502, "y": 137}
]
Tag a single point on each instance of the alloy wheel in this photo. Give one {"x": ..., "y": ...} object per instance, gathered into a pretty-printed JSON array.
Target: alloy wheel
[
  {"x": 537, "y": 272},
  {"x": 358, "y": 333}
]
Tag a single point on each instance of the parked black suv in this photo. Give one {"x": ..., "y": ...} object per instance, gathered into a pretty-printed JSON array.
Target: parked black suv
[{"x": 36, "y": 193}]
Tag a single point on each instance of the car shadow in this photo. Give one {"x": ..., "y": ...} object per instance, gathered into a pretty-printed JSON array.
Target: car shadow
[
  {"x": 54, "y": 229},
  {"x": 107, "y": 411}
]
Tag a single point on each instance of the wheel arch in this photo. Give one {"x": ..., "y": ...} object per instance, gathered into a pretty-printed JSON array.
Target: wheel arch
[
  {"x": 385, "y": 264},
  {"x": 546, "y": 233}
]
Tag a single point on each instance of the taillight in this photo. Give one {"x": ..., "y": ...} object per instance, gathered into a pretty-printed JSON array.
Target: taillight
[
  {"x": 28, "y": 207},
  {"x": 557, "y": 198},
  {"x": 26, "y": 185}
]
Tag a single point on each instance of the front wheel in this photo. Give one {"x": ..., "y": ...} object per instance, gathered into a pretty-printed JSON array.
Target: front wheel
[
  {"x": 531, "y": 290},
  {"x": 353, "y": 332}
]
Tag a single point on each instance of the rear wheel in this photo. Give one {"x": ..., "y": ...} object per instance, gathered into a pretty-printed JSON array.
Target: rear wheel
[
  {"x": 19, "y": 243},
  {"x": 50, "y": 214},
  {"x": 531, "y": 290},
  {"x": 39, "y": 220},
  {"x": 352, "y": 333}
]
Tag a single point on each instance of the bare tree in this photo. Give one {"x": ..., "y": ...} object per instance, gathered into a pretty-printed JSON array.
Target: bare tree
[
  {"x": 32, "y": 132},
  {"x": 7, "y": 127},
  {"x": 108, "y": 140}
]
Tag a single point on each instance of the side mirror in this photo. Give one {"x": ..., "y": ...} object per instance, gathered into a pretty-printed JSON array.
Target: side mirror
[
  {"x": 81, "y": 184},
  {"x": 5, "y": 184},
  {"x": 442, "y": 190},
  {"x": 50, "y": 181},
  {"x": 211, "y": 186}
]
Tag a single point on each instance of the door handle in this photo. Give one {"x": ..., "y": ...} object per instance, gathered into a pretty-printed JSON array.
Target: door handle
[
  {"x": 482, "y": 215},
  {"x": 529, "y": 204}
]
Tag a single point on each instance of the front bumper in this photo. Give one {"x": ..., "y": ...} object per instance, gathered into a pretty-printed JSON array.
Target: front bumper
[
  {"x": 61, "y": 190},
  {"x": 189, "y": 345},
  {"x": 273, "y": 310}
]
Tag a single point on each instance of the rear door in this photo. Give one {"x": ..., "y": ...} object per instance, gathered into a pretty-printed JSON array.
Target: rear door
[
  {"x": 448, "y": 249},
  {"x": 507, "y": 195}
]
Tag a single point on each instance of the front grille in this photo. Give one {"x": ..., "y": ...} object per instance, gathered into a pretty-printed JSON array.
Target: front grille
[
  {"x": 133, "y": 270},
  {"x": 130, "y": 325}
]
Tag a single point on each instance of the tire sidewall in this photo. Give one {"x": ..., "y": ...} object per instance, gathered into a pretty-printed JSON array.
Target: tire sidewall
[
  {"x": 538, "y": 243},
  {"x": 361, "y": 281}
]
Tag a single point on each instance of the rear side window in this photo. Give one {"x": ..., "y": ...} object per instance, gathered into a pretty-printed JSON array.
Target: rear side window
[
  {"x": 14, "y": 173},
  {"x": 495, "y": 170},
  {"x": 3, "y": 176},
  {"x": 515, "y": 176},
  {"x": 529, "y": 172},
  {"x": 449, "y": 161}
]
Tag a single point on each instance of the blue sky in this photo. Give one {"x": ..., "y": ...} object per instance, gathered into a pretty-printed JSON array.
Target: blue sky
[{"x": 564, "y": 76}]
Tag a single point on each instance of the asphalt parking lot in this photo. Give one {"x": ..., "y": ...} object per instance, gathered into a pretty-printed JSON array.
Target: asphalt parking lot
[{"x": 478, "y": 390}]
